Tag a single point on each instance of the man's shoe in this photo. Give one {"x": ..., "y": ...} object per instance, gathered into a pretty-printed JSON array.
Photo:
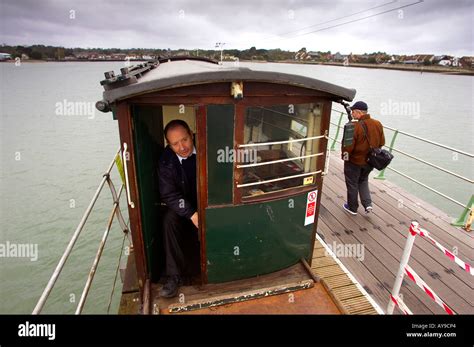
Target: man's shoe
[
  {"x": 368, "y": 209},
  {"x": 170, "y": 289},
  {"x": 346, "y": 208}
]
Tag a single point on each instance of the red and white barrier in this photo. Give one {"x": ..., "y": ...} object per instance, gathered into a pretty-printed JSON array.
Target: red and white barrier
[
  {"x": 420, "y": 283},
  {"x": 415, "y": 228},
  {"x": 406, "y": 269},
  {"x": 401, "y": 305}
]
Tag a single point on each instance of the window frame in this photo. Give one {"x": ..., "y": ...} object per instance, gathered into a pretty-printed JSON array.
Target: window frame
[{"x": 239, "y": 126}]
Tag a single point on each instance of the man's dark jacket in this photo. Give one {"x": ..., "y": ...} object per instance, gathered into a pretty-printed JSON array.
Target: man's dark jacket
[{"x": 175, "y": 188}]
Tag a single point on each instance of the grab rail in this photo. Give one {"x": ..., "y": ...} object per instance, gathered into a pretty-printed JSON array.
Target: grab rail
[{"x": 281, "y": 142}]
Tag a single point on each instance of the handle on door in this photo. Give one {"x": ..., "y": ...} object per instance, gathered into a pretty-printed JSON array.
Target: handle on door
[{"x": 125, "y": 165}]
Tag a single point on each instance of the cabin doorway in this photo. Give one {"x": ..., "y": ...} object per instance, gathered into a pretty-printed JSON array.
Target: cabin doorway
[{"x": 148, "y": 122}]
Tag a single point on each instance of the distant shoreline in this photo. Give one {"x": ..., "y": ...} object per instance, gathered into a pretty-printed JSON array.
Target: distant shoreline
[{"x": 399, "y": 67}]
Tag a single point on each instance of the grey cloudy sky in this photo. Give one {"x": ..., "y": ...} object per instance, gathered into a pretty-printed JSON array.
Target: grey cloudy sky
[{"x": 431, "y": 26}]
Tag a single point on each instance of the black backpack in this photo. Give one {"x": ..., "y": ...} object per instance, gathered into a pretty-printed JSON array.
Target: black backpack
[{"x": 378, "y": 158}]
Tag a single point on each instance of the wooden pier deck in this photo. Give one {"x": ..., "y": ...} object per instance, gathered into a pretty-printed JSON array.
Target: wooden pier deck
[{"x": 383, "y": 234}]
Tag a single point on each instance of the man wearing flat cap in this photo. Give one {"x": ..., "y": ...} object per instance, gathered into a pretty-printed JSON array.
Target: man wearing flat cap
[{"x": 356, "y": 169}]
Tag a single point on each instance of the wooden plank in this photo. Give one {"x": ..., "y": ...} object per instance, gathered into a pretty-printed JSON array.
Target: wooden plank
[
  {"x": 390, "y": 218},
  {"x": 370, "y": 311},
  {"x": 371, "y": 273},
  {"x": 322, "y": 262},
  {"x": 347, "y": 292},
  {"x": 441, "y": 229},
  {"x": 417, "y": 204},
  {"x": 357, "y": 304},
  {"x": 338, "y": 281},
  {"x": 347, "y": 288},
  {"x": 424, "y": 253},
  {"x": 333, "y": 188},
  {"x": 416, "y": 210},
  {"x": 328, "y": 271},
  {"x": 320, "y": 252},
  {"x": 392, "y": 243}
]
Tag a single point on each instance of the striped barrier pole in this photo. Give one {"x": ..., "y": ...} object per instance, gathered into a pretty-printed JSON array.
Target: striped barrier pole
[
  {"x": 420, "y": 283},
  {"x": 401, "y": 270},
  {"x": 414, "y": 227},
  {"x": 401, "y": 305}
]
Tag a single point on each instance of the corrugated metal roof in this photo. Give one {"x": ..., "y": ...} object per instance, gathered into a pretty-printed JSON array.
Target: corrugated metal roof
[{"x": 185, "y": 73}]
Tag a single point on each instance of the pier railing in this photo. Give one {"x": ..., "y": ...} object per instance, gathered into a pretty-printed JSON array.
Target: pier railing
[
  {"x": 117, "y": 161},
  {"x": 468, "y": 209}
]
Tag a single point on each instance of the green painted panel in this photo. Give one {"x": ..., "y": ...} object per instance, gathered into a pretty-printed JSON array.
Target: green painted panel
[
  {"x": 220, "y": 135},
  {"x": 148, "y": 125},
  {"x": 249, "y": 240}
]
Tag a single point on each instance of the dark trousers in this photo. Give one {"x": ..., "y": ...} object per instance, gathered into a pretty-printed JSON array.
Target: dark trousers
[
  {"x": 357, "y": 183},
  {"x": 181, "y": 245}
]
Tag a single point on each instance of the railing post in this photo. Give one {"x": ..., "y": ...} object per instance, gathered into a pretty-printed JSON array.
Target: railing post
[
  {"x": 403, "y": 262},
  {"x": 381, "y": 174},
  {"x": 461, "y": 221},
  {"x": 333, "y": 146}
]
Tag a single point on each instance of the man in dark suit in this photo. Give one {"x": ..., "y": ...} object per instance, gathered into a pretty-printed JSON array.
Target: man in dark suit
[
  {"x": 178, "y": 189},
  {"x": 356, "y": 169}
]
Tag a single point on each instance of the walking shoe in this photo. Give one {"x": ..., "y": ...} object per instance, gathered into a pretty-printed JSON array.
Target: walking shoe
[
  {"x": 170, "y": 288},
  {"x": 346, "y": 207},
  {"x": 368, "y": 209}
]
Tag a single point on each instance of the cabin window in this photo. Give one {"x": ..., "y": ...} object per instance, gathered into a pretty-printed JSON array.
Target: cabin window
[{"x": 282, "y": 145}]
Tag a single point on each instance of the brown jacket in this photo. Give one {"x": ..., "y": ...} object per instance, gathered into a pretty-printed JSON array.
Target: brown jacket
[{"x": 359, "y": 149}]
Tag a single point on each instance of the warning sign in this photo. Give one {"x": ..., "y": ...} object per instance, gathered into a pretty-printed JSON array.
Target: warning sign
[{"x": 310, "y": 207}]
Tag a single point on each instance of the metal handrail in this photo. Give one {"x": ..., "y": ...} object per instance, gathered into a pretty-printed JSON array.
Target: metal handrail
[
  {"x": 433, "y": 165},
  {"x": 98, "y": 255},
  {"x": 424, "y": 161},
  {"x": 278, "y": 179},
  {"x": 418, "y": 138},
  {"x": 427, "y": 187},
  {"x": 431, "y": 142},
  {"x": 420, "y": 183},
  {"x": 52, "y": 281},
  {"x": 281, "y": 142},
  {"x": 278, "y": 161}
]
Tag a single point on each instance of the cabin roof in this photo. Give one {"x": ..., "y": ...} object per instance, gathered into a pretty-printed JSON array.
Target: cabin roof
[{"x": 192, "y": 72}]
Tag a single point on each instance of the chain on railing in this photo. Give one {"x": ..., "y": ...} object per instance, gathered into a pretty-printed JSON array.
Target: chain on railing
[
  {"x": 115, "y": 212},
  {"x": 463, "y": 219}
]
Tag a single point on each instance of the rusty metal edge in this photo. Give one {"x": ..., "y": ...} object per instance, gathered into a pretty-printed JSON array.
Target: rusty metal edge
[{"x": 243, "y": 296}]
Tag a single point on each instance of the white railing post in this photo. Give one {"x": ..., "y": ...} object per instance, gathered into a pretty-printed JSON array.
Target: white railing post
[{"x": 401, "y": 269}]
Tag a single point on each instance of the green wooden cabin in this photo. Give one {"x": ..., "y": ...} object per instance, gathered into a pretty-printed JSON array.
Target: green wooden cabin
[{"x": 261, "y": 141}]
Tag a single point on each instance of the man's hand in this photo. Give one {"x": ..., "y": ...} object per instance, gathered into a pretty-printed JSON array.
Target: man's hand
[{"x": 194, "y": 219}]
